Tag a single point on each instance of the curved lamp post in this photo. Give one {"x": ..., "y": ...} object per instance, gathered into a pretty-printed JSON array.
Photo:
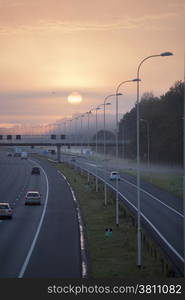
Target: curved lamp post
[
  {"x": 88, "y": 137},
  {"x": 138, "y": 159},
  {"x": 97, "y": 108},
  {"x": 104, "y": 147},
  {"x": 117, "y": 136}
]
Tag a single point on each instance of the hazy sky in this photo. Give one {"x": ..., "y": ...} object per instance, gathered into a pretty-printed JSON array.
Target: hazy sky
[{"x": 51, "y": 48}]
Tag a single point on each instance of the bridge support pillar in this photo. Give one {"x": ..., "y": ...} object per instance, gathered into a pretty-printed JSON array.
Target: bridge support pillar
[{"x": 59, "y": 153}]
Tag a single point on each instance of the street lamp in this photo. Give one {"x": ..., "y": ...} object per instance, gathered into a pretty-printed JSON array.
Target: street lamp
[
  {"x": 184, "y": 168},
  {"x": 76, "y": 130},
  {"x": 138, "y": 160},
  {"x": 148, "y": 140},
  {"x": 81, "y": 132},
  {"x": 97, "y": 108},
  {"x": 88, "y": 137},
  {"x": 117, "y": 136},
  {"x": 64, "y": 130},
  {"x": 70, "y": 121},
  {"x": 104, "y": 147}
]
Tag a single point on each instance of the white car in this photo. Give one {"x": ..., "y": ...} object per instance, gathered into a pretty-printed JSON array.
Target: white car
[
  {"x": 114, "y": 175},
  {"x": 5, "y": 210},
  {"x": 33, "y": 197}
]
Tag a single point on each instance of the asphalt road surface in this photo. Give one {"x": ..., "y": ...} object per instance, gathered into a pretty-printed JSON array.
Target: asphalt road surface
[
  {"x": 161, "y": 212},
  {"x": 40, "y": 241}
]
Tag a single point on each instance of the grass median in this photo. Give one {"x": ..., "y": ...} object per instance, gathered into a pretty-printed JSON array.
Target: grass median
[{"x": 111, "y": 255}]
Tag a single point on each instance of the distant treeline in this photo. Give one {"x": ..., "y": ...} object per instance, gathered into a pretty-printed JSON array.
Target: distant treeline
[{"x": 164, "y": 117}]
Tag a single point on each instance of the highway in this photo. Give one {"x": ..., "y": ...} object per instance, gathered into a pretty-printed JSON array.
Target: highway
[
  {"x": 161, "y": 212},
  {"x": 40, "y": 241},
  {"x": 43, "y": 241}
]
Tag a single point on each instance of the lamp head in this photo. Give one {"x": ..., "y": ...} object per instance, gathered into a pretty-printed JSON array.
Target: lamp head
[
  {"x": 119, "y": 94},
  {"x": 166, "y": 54},
  {"x": 108, "y": 103},
  {"x": 136, "y": 79}
]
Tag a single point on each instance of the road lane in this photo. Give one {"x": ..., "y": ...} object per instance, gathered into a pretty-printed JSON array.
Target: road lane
[
  {"x": 56, "y": 250},
  {"x": 16, "y": 234},
  {"x": 57, "y": 253},
  {"x": 164, "y": 222}
]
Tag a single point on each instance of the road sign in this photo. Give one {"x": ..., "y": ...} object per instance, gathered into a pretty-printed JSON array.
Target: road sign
[{"x": 108, "y": 232}]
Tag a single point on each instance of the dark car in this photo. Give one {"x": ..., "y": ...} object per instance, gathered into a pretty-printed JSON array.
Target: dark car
[
  {"x": 35, "y": 170},
  {"x": 9, "y": 154}
]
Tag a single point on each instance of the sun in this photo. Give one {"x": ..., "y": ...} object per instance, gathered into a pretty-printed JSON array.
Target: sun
[{"x": 74, "y": 98}]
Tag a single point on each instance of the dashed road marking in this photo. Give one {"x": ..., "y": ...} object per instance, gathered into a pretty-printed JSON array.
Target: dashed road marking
[{"x": 26, "y": 262}]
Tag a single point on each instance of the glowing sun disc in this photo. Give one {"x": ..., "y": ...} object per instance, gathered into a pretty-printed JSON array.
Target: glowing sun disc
[{"x": 74, "y": 98}]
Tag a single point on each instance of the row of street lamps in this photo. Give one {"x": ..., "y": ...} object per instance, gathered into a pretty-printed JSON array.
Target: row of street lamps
[{"x": 116, "y": 95}]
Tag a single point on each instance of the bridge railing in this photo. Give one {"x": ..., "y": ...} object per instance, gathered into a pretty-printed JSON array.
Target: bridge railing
[
  {"x": 54, "y": 139},
  {"x": 19, "y": 139}
]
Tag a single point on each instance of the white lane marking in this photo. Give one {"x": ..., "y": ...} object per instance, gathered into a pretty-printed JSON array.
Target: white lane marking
[
  {"x": 146, "y": 219},
  {"x": 82, "y": 240},
  {"x": 90, "y": 164},
  {"x": 25, "y": 264},
  {"x": 52, "y": 160},
  {"x": 155, "y": 198}
]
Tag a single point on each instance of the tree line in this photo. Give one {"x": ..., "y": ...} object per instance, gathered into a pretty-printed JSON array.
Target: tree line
[{"x": 161, "y": 128}]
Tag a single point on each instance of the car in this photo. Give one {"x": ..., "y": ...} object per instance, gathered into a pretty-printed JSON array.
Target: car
[
  {"x": 35, "y": 170},
  {"x": 73, "y": 158},
  {"x": 114, "y": 175},
  {"x": 33, "y": 197},
  {"x": 9, "y": 154},
  {"x": 5, "y": 210}
]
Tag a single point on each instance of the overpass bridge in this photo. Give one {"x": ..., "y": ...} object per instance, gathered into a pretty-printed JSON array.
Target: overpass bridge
[{"x": 57, "y": 140}]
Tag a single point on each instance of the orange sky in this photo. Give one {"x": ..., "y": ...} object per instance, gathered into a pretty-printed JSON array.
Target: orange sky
[{"x": 51, "y": 48}]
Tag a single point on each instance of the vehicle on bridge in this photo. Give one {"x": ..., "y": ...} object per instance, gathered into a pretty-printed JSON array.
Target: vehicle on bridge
[
  {"x": 33, "y": 197},
  {"x": 5, "y": 210}
]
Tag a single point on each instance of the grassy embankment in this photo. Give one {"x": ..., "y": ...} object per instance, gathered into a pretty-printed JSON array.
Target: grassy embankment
[
  {"x": 115, "y": 256},
  {"x": 172, "y": 183}
]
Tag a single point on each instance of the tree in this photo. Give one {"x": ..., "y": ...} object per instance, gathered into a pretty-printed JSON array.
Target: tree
[{"x": 165, "y": 117}]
